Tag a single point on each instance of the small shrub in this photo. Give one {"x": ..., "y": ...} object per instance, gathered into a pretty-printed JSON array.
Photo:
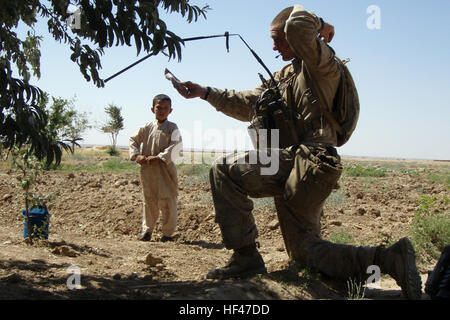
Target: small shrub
[
  {"x": 113, "y": 152},
  {"x": 431, "y": 228}
]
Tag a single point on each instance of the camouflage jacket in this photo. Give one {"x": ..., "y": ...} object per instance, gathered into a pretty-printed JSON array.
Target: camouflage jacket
[{"x": 312, "y": 55}]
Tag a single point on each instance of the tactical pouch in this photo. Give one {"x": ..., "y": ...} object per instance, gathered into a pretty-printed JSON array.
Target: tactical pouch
[
  {"x": 271, "y": 115},
  {"x": 287, "y": 134},
  {"x": 313, "y": 177},
  {"x": 259, "y": 134}
]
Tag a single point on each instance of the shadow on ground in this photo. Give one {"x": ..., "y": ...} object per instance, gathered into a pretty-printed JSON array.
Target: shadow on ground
[{"x": 284, "y": 284}]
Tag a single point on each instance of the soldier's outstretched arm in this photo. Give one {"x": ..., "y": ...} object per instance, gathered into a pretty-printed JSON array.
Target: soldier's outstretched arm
[
  {"x": 190, "y": 89},
  {"x": 235, "y": 104}
]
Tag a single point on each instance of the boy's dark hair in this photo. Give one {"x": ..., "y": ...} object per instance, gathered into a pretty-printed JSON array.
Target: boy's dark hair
[{"x": 162, "y": 97}]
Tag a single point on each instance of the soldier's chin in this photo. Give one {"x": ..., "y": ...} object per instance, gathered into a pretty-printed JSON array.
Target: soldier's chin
[{"x": 287, "y": 57}]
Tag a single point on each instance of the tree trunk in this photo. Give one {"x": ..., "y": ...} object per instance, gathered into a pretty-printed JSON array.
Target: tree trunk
[{"x": 30, "y": 234}]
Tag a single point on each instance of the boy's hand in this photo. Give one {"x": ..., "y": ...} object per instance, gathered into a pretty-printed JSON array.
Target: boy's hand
[
  {"x": 149, "y": 160},
  {"x": 140, "y": 159},
  {"x": 152, "y": 160}
]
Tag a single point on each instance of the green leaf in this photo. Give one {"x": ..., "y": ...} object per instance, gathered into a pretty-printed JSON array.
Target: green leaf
[{"x": 137, "y": 40}]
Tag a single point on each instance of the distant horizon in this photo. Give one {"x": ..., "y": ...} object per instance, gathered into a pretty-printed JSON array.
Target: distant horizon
[
  {"x": 88, "y": 145},
  {"x": 402, "y": 83}
]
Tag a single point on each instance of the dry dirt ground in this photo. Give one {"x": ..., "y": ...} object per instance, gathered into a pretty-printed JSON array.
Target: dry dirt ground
[{"x": 95, "y": 217}]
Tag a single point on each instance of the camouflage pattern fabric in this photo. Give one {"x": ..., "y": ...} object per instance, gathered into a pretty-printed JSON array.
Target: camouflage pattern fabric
[
  {"x": 233, "y": 180},
  {"x": 306, "y": 173}
]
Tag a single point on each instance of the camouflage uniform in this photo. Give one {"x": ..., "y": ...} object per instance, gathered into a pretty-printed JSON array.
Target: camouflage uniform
[{"x": 307, "y": 173}]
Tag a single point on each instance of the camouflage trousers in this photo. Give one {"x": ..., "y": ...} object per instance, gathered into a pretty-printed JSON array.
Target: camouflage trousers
[{"x": 300, "y": 186}]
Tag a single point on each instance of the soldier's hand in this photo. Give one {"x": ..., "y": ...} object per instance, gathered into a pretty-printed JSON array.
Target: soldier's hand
[
  {"x": 327, "y": 32},
  {"x": 190, "y": 89}
]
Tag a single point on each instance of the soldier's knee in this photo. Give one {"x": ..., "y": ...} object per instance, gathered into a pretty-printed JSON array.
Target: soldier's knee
[{"x": 217, "y": 165}]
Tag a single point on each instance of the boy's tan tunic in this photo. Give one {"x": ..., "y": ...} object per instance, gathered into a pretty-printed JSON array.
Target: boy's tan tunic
[
  {"x": 162, "y": 140},
  {"x": 159, "y": 181}
]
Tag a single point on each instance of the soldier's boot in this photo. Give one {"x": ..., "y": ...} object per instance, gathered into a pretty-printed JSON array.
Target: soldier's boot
[
  {"x": 399, "y": 261},
  {"x": 438, "y": 282},
  {"x": 244, "y": 262}
]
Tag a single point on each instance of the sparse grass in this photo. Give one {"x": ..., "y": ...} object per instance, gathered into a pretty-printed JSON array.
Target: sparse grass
[
  {"x": 193, "y": 169},
  {"x": 293, "y": 275},
  {"x": 71, "y": 167},
  {"x": 360, "y": 171},
  {"x": 197, "y": 158},
  {"x": 389, "y": 241},
  {"x": 401, "y": 166},
  {"x": 355, "y": 290},
  {"x": 307, "y": 273},
  {"x": 117, "y": 164},
  {"x": 5, "y": 164},
  {"x": 112, "y": 164},
  {"x": 77, "y": 157},
  {"x": 410, "y": 172},
  {"x": 441, "y": 177},
  {"x": 206, "y": 197},
  {"x": 263, "y": 203},
  {"x": 196, "y": 173},
  {"x": 95, "y": 152},
  {"x": 431, "y": 227},
  {"x": 337, "y": 198},
  {"x": 342, "y": 237}
]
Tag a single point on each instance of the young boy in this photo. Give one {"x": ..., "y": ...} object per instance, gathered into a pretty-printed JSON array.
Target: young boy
[{"x": 161, "y": 145}]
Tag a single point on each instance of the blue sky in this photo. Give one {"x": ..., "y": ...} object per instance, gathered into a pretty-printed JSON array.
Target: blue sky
[{"x": 402, "y": 72}]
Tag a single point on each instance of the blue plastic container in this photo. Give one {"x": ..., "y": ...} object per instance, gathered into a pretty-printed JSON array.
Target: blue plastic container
[{"x": 39, "y": 219}]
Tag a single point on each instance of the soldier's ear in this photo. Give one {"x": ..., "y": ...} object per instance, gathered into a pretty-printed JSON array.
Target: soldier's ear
[{"x": 153, "y": 109}]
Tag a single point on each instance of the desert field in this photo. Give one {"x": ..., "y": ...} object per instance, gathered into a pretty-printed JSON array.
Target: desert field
[{"x": 96, "y": 210}]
